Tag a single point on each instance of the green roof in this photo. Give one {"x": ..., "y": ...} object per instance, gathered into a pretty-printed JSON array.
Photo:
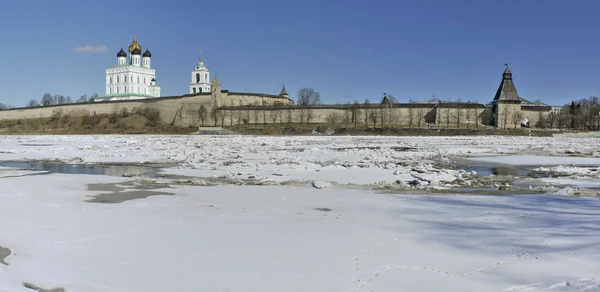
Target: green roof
[{"x": 125, "y": 94}]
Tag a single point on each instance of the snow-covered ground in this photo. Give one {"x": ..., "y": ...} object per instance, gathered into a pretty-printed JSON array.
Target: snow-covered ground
[{"x": 145, "y": 233}]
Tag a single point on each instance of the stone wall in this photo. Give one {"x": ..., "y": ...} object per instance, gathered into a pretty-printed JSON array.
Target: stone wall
[
  {"x": 222, "y": 107},
  {"x": 373, "y": 115},
  {"x": 177, "y": 109}
]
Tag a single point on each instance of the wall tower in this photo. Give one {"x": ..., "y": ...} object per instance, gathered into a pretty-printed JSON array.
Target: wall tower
[{"x": 506, "y": 106}]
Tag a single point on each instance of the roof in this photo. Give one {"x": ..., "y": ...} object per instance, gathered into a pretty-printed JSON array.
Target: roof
[
  {"x": 136, "y": 51},
  {"x": 147, "y": 53},
  {"x": 507, "y": 89},
  {"x": 135, "y": 44},
  {"x": 283, "y": 91},
  {"x": 386, "y": 100},
  {"x": 215, "y": 81},
  {"x": 121, "y": 53}
]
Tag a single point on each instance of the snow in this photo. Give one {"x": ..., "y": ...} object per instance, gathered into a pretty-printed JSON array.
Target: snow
[{"x": 324, "y": 235}]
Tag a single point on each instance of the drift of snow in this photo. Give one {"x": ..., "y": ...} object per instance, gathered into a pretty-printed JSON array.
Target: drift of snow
[{"x": 238, "y": 237}]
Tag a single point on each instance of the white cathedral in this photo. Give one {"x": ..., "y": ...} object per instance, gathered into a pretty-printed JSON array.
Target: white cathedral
[{"x": 131, "y": 78}]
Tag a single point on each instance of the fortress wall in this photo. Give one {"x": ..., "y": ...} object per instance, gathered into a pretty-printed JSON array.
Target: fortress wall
[
  {"x": 464, "y": 115},
  {"x": 400, "y": 115},
  {"x": 184, "y": 111},
  {"x": 239, "y": 99},
  {"x": 534, "y": 113}
]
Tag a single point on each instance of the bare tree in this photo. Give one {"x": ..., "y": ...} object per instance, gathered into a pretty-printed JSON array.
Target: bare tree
[
  {"x": 476, "y": 118},
  {"x": 47, "y": 100},
  {"x": 289, "y": 112},
  {"x": 255, "y": 114},
  {"x": 202, "y": 114},
  {"x": 264, "y": 112},
  {"x": 82, "y": 99},
  {"x": 33, "y": 103},
  {"x": 447, "y": 110},
  {"x": 373, "y": 117},
  {"x": 541, "y": 123},
  {"x": 307, "y": 97},
  {"x": 215, "y": 114},
  {"x": 274, "y": 114},
  {"x": 468, "y": 114},
  {"x": 333, "y": 119},
  {"x": 516, "y": 118},
  {"x": 192, "y": 112},
  {"x": 355, "y": 113},
  {"x": 505, "y": 113},
  {"x": 421, "y": 111},
  {"x": 367, "y": 112},
  {"x": 411, "y": 115}
]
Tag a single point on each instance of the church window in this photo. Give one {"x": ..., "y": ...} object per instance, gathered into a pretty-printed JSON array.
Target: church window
[
  {"x": 197, "y": 77},
  {"x": 200, "y": 89},
  {"x": 117, "y": 89},
  {"x": 125, "y": 78},
  {"x": 138, "y": 80},
  {"x": 205, "y": 77},
  {"x": 144, "y": 80},
  {"x": 109, "y": 90},
  {"x": 117, "y": 79},
  {"x": 109, "y": 80},
  {"x": 194, "y": 89}
]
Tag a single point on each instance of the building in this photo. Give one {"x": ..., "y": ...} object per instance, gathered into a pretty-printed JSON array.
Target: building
[
  {"x": 506, "y": 105},
  {"x": 133, "y": 77},
  {"x": 200, "y": 78}
]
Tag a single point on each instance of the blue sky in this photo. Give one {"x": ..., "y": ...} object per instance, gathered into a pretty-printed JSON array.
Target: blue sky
[{"x": 345, "y": 49}]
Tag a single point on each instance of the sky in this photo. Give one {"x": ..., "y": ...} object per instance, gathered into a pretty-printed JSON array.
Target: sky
[{"x": 345, "y": 49}]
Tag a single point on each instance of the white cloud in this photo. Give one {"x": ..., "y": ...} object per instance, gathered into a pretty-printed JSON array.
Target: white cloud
[{"x": 90, "y": 49}]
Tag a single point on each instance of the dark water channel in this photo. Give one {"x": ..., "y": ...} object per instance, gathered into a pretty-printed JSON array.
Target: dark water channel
[
  {"x": 97, "y": 169},
  {"x": 486, "y": 169}
]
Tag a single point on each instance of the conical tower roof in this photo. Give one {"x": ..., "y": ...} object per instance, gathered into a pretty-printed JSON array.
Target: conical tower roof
[
  {"x": 215, "y": 81},
  {"x": 507, "y": 90},
  {"x": 283, "y": 91}
]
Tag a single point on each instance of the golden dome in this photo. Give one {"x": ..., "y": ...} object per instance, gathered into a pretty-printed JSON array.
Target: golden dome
[{"x": 134, "y": 45}]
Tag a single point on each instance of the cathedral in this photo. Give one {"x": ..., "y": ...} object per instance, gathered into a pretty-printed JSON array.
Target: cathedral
[{"x": 132, "y": 78}]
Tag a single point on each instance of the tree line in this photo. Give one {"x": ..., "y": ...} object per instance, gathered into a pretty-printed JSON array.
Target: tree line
[
  {"x": 58, "y": 99},
  {"x": 582, "y": 114}
]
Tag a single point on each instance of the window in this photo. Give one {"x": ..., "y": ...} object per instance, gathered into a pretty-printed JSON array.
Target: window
[
  {"x": 194, "y": 89},
  {"x": 117, "y": 79},
  {"x": 117, "y": 89},
  {"x": 206, "y": 77},
  {"x": 197, "y": 77},
  {"x": 125, "y": 78},
  {"x": 109, "y": 80},
  {"x": 138, "y": 79},
  {"x": 144, "y": 80},
  {"x": 109, "y": 90},
  {"x": 200, "y": 89}
]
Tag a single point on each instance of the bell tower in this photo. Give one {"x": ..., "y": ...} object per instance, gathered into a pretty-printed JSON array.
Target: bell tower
[{"x": 200, "y": 78}]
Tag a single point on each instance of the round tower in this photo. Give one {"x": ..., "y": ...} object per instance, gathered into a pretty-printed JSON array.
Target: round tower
[
  {"x": 121, "y": 57},
  {"x": 136, "y": 55},
  {"x": 146, "y": 58}
]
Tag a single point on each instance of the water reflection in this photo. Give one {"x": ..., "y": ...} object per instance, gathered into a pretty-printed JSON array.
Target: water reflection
[{"x": 97, "y": 169}]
